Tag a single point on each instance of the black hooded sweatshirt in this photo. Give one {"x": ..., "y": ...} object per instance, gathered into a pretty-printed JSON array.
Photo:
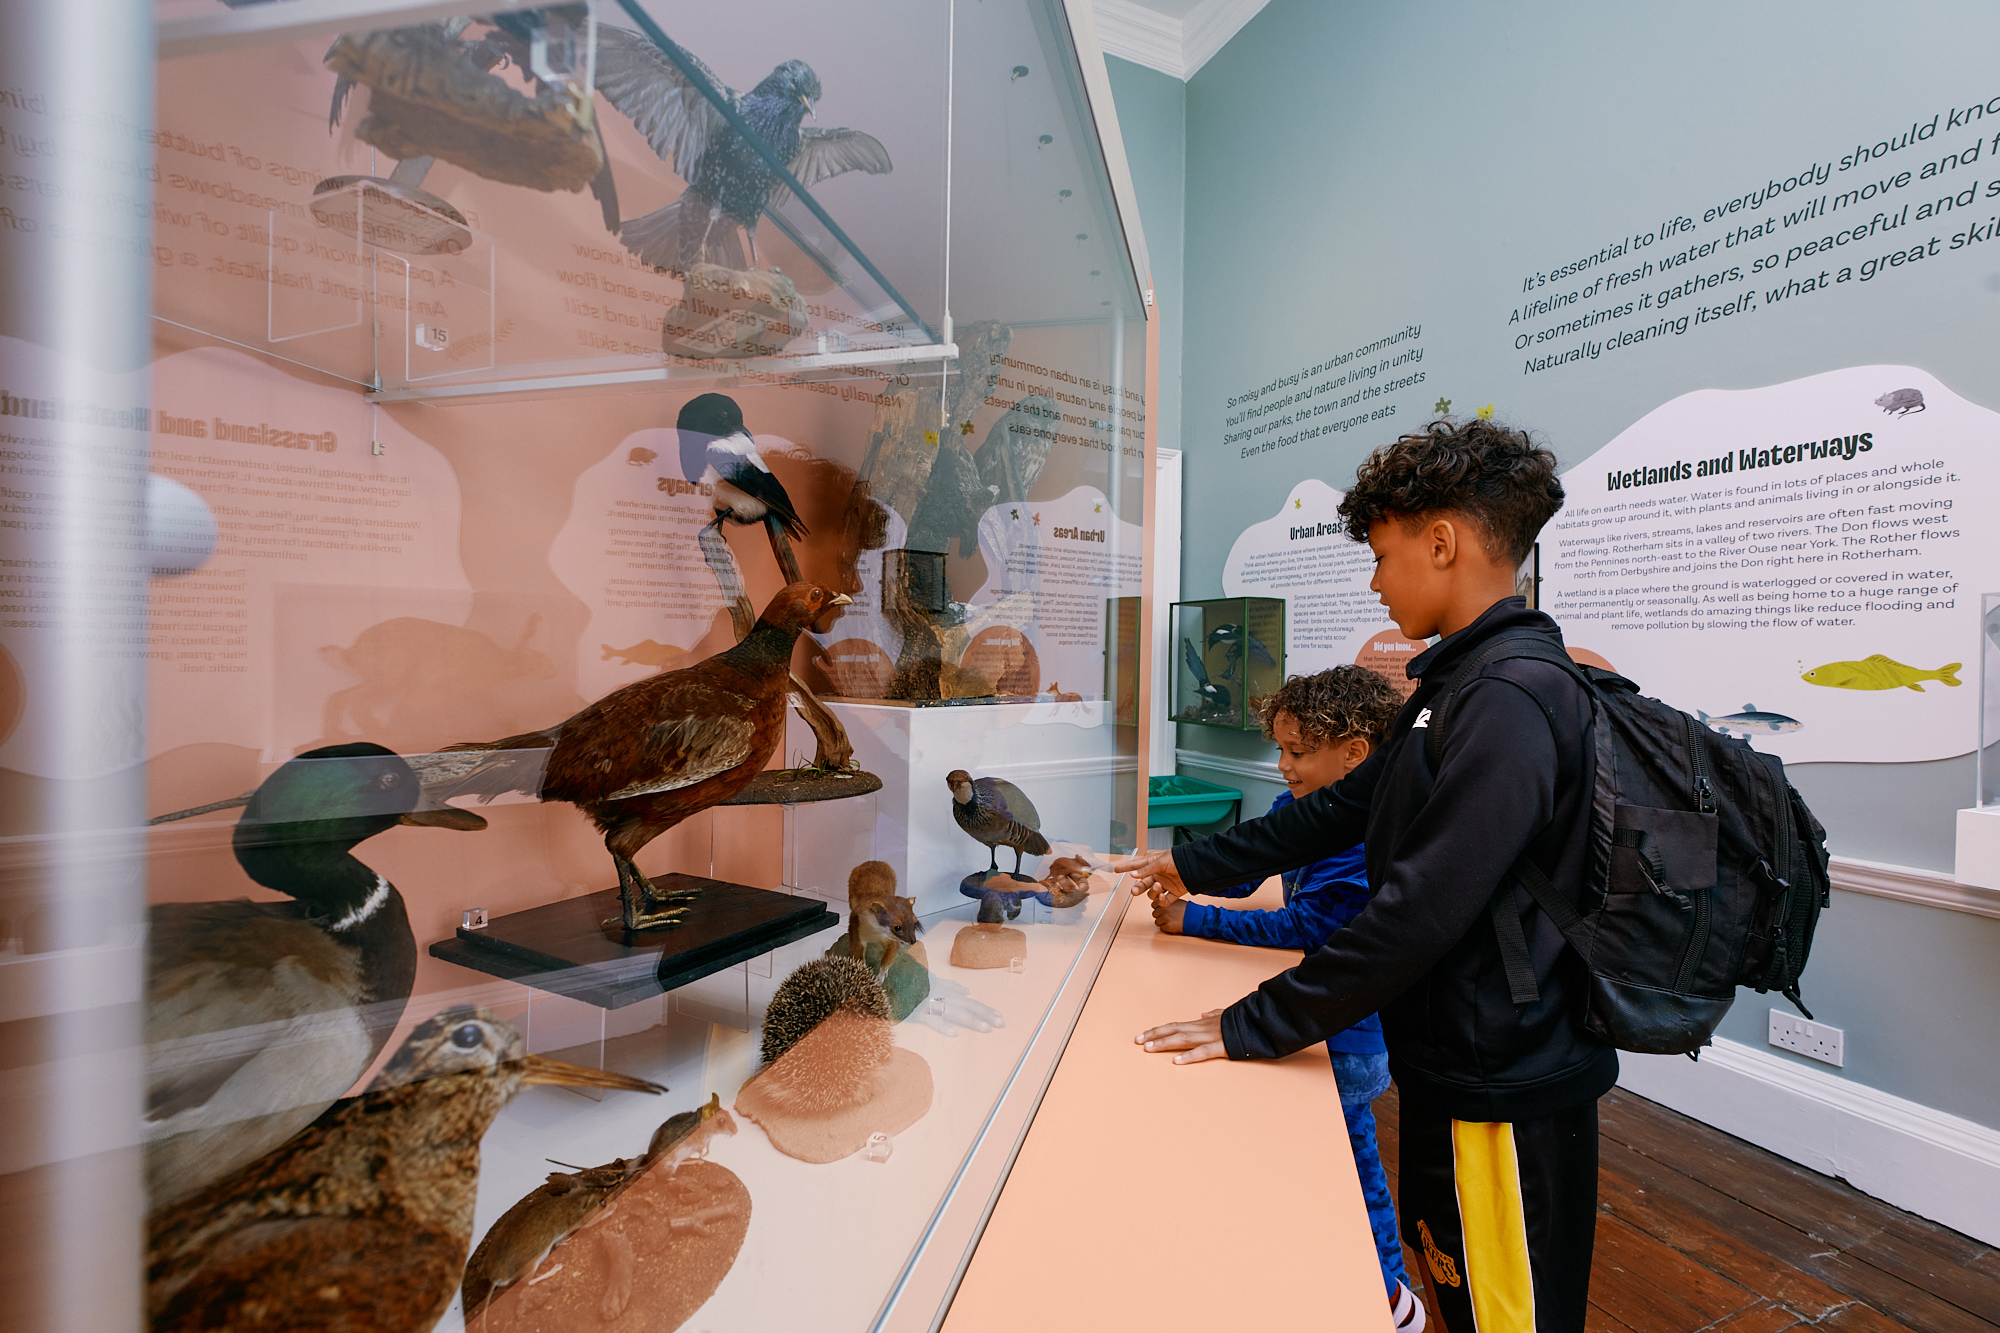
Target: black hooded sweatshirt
[{"x": 1516, "y": 774}]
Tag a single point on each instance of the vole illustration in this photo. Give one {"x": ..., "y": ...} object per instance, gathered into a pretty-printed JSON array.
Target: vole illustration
[
  {"x": 1901, "y": 402},
  {"x": 875, "y": 913}
]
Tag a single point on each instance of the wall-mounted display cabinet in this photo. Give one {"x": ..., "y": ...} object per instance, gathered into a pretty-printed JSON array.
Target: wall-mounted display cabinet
[{"x": 1228, "y": 653}]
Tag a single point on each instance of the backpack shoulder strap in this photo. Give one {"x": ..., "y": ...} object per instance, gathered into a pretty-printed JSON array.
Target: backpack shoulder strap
[
  {"x": 1507, "y": 646},
  {"x": 1505, "y": 915}
]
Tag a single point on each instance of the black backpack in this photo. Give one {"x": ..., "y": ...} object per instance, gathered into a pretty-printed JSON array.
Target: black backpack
[{"x": 1707, "y": 870}]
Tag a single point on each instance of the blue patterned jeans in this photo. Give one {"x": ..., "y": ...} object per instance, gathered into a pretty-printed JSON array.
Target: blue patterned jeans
[{"x": 1363, "y": 1078}]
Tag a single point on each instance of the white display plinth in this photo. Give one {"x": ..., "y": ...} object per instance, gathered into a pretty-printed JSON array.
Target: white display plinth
[
  {"x": 1978, "y": 860},
  {"x": 1064, "y": 756}
]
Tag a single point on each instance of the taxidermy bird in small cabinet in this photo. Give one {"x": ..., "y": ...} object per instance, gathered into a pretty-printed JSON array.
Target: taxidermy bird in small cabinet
[
  {"x": 646, "y": 756},
  {"x": 996, "y": 812}
]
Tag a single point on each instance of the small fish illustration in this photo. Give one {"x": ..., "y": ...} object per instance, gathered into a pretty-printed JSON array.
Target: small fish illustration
[
  {"x": 1750, "y": 722},
  {"x": 1877, "y": 673},
  {"x": 644, "y": 653}
]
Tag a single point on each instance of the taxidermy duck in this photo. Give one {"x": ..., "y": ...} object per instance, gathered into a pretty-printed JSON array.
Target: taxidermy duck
[
  {"x": 362, "y": 1222},
  {"x": 646, "y": 756},
  {"x": 259, "y": 1015}
]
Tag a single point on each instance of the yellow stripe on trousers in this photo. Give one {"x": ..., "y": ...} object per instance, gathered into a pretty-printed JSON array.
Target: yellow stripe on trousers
[{"x": 1497, "y": 1275}]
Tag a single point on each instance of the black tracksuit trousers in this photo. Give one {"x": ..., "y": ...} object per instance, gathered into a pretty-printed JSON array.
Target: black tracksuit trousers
[{"x": 1502, "y": 1217}]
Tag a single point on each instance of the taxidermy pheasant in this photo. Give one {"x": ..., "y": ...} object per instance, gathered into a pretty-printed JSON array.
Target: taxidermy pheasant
[
  {"x": 996, "y": 812},
  {"x": 363, "y": 1221},
  {"x": 260, "y": 1015},
  {"x": 645, "y": 757},
  {"x": 729, "y": 184}
]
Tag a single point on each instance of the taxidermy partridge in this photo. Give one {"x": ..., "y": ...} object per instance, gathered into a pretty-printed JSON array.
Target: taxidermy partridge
[
  {"x": 996, "y": 812},
  {"x": 362, "y": 1223},
  {"x": 648, "y": 755},
  {"x": 260, "y": 1015}
]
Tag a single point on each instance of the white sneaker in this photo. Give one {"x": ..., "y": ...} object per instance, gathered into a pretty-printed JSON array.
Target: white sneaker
[{"x": 1408, "y": 1311}]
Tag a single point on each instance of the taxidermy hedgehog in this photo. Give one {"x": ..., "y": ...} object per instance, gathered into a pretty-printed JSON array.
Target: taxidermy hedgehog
[{"x": 825, "y": 1036}]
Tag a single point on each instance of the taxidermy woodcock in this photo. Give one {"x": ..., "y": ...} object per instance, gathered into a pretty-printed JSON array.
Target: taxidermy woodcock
[
  {"x": 362, "y": 1223},
  {"x": 645, "y": 757},
  {"x": 260, "y": 1015},
  {"x": 996, "y": 812}
]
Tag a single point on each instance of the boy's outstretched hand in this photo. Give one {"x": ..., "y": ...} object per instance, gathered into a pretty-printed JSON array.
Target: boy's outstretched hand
[
  {"x": 1152, "y": 872},
  {"x": 1197, "y": 1039}
]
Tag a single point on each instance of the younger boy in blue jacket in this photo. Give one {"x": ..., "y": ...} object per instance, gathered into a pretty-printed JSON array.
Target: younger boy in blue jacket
[{"x": 1325, "y": 725}]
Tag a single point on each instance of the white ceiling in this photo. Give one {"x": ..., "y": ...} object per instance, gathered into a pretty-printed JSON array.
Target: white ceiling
[{"x": 1176, "y": 37}]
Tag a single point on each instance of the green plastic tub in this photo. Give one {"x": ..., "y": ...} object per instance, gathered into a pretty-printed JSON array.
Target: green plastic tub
[{"x": 1182, "y": 800}]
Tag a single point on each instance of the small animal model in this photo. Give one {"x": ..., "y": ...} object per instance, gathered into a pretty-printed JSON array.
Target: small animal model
[
  {"x": 826, "y": 1032},
  {"x": 363, "y": 1221},
  {"x": 1877, "y": 672},
  {"x": 515, "y": 1246},
  {"x": 1901, "y": 402},
  {"x": 717, "y": 451},
  {"x": 260, "y": 1015},
  {"x": 648, "y": 755},
  {"x": 1750, "y": 722},
  {"x": 996, "y": 812},
  {"x": 876, "y": 915},
  {"x": 685, "y": 1137},
  {"x": 1210, "y": 699},
  {"x": 1067, "y": 880},
  {"x": 729, "y": 184},
  {"x": 640, "y": 456}
]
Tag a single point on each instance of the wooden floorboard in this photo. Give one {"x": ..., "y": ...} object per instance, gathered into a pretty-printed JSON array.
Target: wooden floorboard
[{"x": 1699, "y": 1232}]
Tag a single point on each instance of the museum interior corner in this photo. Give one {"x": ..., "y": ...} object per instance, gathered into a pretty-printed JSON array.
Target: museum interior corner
[{"x": 538, "y": 546}]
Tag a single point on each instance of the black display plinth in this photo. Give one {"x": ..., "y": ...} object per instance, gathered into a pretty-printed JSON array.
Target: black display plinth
[{"x": 567, "y": 947}]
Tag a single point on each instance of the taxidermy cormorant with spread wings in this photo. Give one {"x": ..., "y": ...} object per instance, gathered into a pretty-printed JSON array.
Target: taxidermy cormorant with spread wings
[{"x": 729, "y": 185}]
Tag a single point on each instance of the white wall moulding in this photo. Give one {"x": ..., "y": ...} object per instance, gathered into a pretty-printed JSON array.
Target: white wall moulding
[
  {"x": 1930, "y": 1163},
  {"x": 1926, "y": 888},
  {"x": 1259, "y": 769},
  {"x": 1176, "y": 46}
]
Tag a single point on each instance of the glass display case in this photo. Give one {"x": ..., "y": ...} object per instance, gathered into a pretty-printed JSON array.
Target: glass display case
[
  {"x": 635, "y": 490},
  {"x": 1228, "y": 653}
]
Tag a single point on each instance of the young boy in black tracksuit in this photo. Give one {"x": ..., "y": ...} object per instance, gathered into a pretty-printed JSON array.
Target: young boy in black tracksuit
[{"x": 1499, "y": 1101}]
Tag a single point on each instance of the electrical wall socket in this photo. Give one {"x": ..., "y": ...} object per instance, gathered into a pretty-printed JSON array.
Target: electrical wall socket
[{"x": 1815, "y": 1041}]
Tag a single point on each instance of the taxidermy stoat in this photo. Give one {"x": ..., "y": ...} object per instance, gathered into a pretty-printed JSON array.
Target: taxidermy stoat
[{"x": 875, "y": 913}]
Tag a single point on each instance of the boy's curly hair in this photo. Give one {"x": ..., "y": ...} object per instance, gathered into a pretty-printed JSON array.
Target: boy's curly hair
[
  {"x": 1492, "y": 473},
  {"x": 1345, "y": 701}
]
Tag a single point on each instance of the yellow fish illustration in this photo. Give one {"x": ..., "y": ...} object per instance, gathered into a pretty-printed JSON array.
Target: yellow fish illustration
[{"x": 1877, "y": 673}]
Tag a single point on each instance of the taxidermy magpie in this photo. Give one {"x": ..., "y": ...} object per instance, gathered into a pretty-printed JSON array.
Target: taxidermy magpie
[
  {"x": 1234, "y": 635},
  {"x": 1214, "y": 698},
  {"x": 729, "y": 185},
  {"x": 717, "y": 451}
]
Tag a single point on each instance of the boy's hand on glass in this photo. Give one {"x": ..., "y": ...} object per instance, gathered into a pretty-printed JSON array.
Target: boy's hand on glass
[
  {"x": 1150, "y": 871},
  {"x": 1167, "y": 913},
  {"x": 1196, "y": 1039}
]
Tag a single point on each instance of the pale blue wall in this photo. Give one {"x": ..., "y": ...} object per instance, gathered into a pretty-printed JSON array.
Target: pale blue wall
[
  {"x": 1152, "y": 113},
  {"x": 1351, "y": 166}
]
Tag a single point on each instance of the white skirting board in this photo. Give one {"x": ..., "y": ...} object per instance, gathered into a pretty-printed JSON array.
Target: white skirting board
[{"x": 1921, "y": 1160}]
